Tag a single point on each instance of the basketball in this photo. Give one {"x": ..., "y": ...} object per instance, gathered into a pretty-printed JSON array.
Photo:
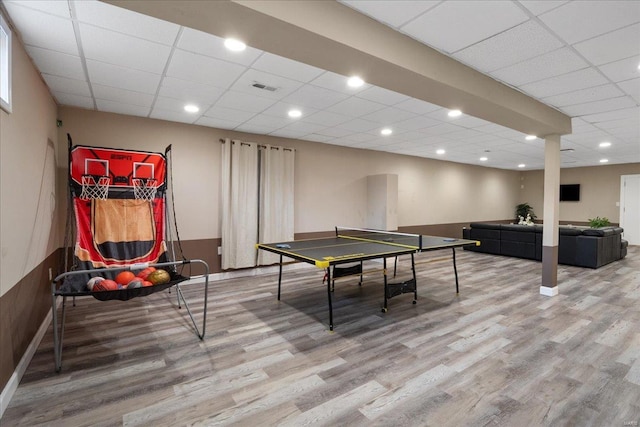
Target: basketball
[
  {"x": 135, "y": 283},
  {"x": 146, "y": 272},
  {"x": 93, "y": 281},
  {"x": 124, "y": 277},
  {"x": 159, "y": 277},
  {"x": 105, "y": 285}
]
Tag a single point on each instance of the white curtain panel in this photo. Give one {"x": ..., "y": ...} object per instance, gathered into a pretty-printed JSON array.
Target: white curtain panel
[
  {"x": 239, "y": 204},
  {"x": 276, "y": 199}
]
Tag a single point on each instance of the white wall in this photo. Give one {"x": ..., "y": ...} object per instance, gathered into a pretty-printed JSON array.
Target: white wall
[{"x": 24, "y": 191}]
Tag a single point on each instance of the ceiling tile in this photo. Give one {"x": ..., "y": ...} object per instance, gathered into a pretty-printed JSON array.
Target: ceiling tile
[
  {"x": 285, "y": 67},
  {"x": 303, "y": 127},
  {"x": 359, "y": 125},
  {"x": 454, "y": 25},
  {"x": 209, "y": 45},
  {"x": 65, "y": 85},
  {"x": 337, "y": 83},
  {"x": 355, "y": 107},
  {"x": 281, "y": 109},
  {"x": 123, "y": 78},
  {"x": 74, "y": 100},
  {"x": 624, "y": 69},
  {"x": 43, "y": 30},
  {"x": 173, "y": 116},
  {"x": 389, "y": 115},
  {"x": 551, "y": 64},
  {"x": 594, "y": 18},
  {"x": 538, "y": 7},
  {"x": 288, "y": 133},
  {"x": 315, "y": 97},
  {"x": 334, "y": 132},
  {"x": 612, "y": 46},
  {"x": 203, "y": 69},
  {"x": 416, "y": 123},
  {"x": 267, "y": 121},
  {"x": 228, "y": 114},
  {"x": 250, "y": 128},
  {"x": 189, "y": 91},
  {"x": 417, "y": 106},
  {"x": 283, "y": 85},
  {"x": 317, "y": 138},
  {"x": 517, "y": 44},
  {"x": 326, "y": 118},
  {"x": 392, "y": 12},
  {"x": 122, "y": 108},
  {"x": 582, "y": 96},
  {"x": 126, "y": 22},
  {"x": 56, "y": 63},
  {"x": 631, "y": 87},
  {"x": 611, "y": 104},
  {"x": 217, "y": 123},
  {"x": 58, "y": 8},
  {"x": 121, "y": 96},
  {"x": 114, "y": 48},
  {"x": 613, "y": 115},
  {"x": 575, "y": 80},
  {"x": 242, "y": 101},
  {"x": 177, "y": 105}
]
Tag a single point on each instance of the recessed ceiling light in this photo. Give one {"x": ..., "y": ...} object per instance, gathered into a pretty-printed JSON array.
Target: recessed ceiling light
[
  {"x": 521, "y": 165},
  {"x": 604, "y": 160},
  {"x": 440, "y": 151},
  {"x": 294, "y": 113},
  {"x": 386, "y": 131},
  {"x": 638, "y": 66},
  {"x": 484, "y": 159},
  {"x": 530, "y": 137},
  {"x": 454, "y": 113},
  {"x": 190, "y": 108},
  {"x": 355, "y": 81},
  {"x": 604, "y": 144},
  {"x": 234, "y": 45}
]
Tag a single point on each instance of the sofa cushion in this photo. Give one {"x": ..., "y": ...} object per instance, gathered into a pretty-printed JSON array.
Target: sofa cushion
[
  {"x": 518, "y": 236},
  {"x": 569, "y": 231},
  {"x": 520, "y": 228},
  {"x": 599, "y": 232},
  {"x": 485, "y": 225},
  {"x": 484, "y": 233}
]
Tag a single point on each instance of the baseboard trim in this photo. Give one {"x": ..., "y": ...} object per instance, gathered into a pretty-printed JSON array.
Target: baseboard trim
[
  {"x": 14, "y": 381},
  {"x": 549, "y": 292}
]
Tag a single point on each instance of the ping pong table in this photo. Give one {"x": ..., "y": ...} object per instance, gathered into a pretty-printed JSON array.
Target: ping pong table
[{"x": 351, "y": 245}]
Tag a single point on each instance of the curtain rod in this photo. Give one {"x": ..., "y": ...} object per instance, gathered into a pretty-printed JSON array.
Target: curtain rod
[{"x": 222, "y": 140}]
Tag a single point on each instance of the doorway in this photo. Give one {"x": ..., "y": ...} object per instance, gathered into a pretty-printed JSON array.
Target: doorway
[{"x": 630, "y": 208}]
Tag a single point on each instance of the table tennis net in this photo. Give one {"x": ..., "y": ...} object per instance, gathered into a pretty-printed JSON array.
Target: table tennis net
[{"x": 381, "y": 236}]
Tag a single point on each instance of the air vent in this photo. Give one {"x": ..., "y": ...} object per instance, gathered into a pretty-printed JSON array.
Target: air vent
[
  {"x": 567, "y": 150},
  {"x": 264, "y": 87}
]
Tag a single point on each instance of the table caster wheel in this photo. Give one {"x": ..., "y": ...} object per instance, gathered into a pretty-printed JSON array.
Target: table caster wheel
[
  {"x": 415, "y": 302},
  {"x": 384, "y": 310}
]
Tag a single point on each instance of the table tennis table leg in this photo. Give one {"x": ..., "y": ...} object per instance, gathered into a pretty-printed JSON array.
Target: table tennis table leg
[
  {"x": 329, "y": 297},
  {"x": 455, "y": 269},
  {"x": 280, "y": 278},
  {"x": 415, "y": 281},
  {"x": 384, "y": 276}
]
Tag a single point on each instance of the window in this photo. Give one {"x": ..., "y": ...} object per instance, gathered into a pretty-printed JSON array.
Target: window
[{"x": 5, "y": 66}]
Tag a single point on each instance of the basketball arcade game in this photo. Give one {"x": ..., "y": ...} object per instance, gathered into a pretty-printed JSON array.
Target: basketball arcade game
[{"x": 119, "y": 221}]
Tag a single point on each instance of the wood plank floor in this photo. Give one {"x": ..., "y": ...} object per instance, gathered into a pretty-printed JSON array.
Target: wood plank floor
[{"x": 497, "y": 354}]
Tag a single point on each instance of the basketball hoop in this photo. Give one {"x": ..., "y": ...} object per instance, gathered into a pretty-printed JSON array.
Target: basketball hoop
[
  {"x": 94, "y": 187},
  {"x": 145, "y": 188}
]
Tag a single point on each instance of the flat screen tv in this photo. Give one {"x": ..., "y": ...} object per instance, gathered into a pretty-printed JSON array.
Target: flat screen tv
[{"x": 570, "y": 192}]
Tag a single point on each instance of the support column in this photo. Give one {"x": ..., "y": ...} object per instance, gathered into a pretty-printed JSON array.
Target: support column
[{"x": 549, "y": 286}]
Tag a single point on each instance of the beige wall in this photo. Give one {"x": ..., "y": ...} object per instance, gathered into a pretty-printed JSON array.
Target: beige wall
[
  {"x": 599, "y": 191},
  {"x": 24, "y": 133},
  {"x": 331, "y": 181}
]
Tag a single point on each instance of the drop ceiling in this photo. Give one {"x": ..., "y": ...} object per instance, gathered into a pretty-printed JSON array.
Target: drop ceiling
[{"x": 579, "y": 57}]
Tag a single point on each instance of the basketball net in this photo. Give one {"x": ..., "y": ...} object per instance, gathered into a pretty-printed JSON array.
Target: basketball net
[
  {"x": 145, "y": 188},
  {"x": 94, "y": 187}
]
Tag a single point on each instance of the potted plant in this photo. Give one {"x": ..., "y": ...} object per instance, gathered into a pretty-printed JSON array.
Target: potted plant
[
  {"x": 524, "y": 211},
  {"x": 598, "y": 222}
]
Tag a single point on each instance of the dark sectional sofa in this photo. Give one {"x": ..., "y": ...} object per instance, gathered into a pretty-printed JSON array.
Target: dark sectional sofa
[{"x": 580, "y": 246}]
